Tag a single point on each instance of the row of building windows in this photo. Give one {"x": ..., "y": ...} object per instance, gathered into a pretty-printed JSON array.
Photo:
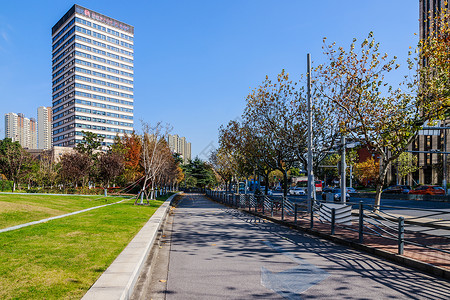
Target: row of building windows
[
  {"x": 105, "y": 83},
  {"x": 64, "y": 136},
  {"x": 63, "y": 30},
  {"x": 98, "y": 97},
  {"x": 103, "y": 37},
  {"x": 105, "y": 136},
  {"x": 62, "y": 54},
  {"x": 101, "y": 59},
  {"x": 95, "y": 127},
  {"x": 102, "y": 90},
  {"x": 84, "y": 102},
  {"x": 85, "y": 71},
  {"x": 61, "y": 85},
  {"x": 65, "y": 113},
  {"x": 89, "y": 111},
  {"x": 62, "y": 92},
  {"x": 97, "y": 66},
  {"x": 63, "y": 38},
  {"x": 103, "y": 113},
  {"x": 62, "y": 129},
  {"x": 94, "y": 42},
  {"x": 58, "y": 65},
  {"x": 87, "y": 95},
  {"x": 98, "y": 120},
  {"x": 64, "y": 76},
  {"x": 98, "y": 51},
  {"x": 102, "y": 28},
  {"x": 63, "y": 46},
  {"x": 63, "y": 69}
]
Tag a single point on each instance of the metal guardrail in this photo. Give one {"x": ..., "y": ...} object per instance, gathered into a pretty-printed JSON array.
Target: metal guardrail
[{"x": 368, "y": 220}]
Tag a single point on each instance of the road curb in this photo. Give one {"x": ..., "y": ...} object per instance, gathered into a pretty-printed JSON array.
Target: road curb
[
  {"x": 400, "y": 259},
  {"x": 119, "y": 280}
]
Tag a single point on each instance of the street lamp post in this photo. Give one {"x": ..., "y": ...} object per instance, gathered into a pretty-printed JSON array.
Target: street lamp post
[{"x": 310, "y": 190}]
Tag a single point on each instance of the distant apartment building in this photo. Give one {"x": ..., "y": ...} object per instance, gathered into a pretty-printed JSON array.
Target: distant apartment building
[
  {"x": 92, "y": 73},
  {"x": 180, "y": 145},
  {"x": 44, "y": 123},
  {"x": 21, "y": 129}
]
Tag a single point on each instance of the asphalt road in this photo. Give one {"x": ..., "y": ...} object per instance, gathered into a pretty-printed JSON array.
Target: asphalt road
[{"x": 219, "y": 253}]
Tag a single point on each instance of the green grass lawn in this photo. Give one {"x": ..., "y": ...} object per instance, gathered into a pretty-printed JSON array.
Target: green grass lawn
[
  {"x": 62, "y": 258},
  {"x": 19, "y": 209}
]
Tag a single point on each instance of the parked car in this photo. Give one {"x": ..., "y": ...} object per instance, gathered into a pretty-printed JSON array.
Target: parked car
[
  {"x": 297, "y": 191},
  {"x": 336, "y": 195},
  {"x": 351, "y": 190},
  {"x": 397, "y": 189},
  {"x": 428, "y": 190}
]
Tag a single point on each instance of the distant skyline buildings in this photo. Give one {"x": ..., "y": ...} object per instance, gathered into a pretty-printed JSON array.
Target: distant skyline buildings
[
  {"x": 44, "y": 123},
  {"x": 179, "y": 145},
  {"x": 21, "y": 129},
  {"x": 92, "y": 77}
]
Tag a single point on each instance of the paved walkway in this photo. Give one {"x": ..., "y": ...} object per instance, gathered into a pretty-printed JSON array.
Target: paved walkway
[{"x": 220, "y": 253}]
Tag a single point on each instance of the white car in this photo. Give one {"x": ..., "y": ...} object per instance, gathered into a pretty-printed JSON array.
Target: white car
[{"x": 297, "y": 191}]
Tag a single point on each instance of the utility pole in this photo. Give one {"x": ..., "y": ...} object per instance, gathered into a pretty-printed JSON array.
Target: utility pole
[
  {"x": 311, "y": 195},
  {"x": 343, "y": 167}
]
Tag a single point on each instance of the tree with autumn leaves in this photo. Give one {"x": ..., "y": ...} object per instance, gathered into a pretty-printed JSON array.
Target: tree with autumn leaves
[{"x": 351, "y": 97}]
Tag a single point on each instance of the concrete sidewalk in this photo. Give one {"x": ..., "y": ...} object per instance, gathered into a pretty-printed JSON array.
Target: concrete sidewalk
[{"x": 221, "y": 253}]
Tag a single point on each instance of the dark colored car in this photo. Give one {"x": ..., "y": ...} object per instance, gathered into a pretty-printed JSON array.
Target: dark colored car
[
  {"x": 428, "y": 190},
  {"x": 397, "y": 189},
  {"x": 336, "y": 195}
]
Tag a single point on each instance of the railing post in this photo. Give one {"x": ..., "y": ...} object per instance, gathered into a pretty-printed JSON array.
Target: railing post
[
  {"x": 361, "y": 223},
  {"x": 333, "y": 220},
  {"x": 295, "y": 213},
  {"x": 249, "y": 204},
  {"x": 401, "y": 235},
  {"x": 282, "y": 209},
  {"x": 263, "y": 200},
  {"x": 271, "y": 208}
]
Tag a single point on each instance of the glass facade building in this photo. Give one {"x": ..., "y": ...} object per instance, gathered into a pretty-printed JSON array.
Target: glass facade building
[{"x": 92, "y": 77}]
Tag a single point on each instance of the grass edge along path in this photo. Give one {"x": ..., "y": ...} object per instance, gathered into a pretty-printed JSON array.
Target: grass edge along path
[
  {"x": 16, "y": 209},
  {"x": 57, "y": 217},
  {"x": 61, "y": 259}
]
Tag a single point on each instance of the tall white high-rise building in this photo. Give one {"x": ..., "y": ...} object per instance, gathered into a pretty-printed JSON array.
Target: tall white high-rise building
[
  {"x": 21, "y": 129},
  {"x": 180, "y": 145},
  {"x": 92, "y": 73},
  {"x": 44, "y": 124}
]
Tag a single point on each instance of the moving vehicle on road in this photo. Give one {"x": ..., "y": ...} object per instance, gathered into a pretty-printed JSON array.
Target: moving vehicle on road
[
  {"x": 297, "y": 191},
  {"x": 428, "y": 190},
  {"x": 397, "y": 189}
]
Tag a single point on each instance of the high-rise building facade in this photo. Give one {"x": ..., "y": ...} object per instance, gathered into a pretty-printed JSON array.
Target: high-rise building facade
[
  {"x": 21, "y": 129},
  {"x": 44, "y": 124},
  {"x": 180, "y": 145},
  {"x": 92, "y": 73},
  {"x": 430, "y": 164},
  {"x": 11, "y": 128}
]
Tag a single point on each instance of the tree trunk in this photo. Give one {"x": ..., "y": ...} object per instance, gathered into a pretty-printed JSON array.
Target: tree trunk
[
  {"x": 285, "y": 182},
  {"x": 379, "y": 186}
]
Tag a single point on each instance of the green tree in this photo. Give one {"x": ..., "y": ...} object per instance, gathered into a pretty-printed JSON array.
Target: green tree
[
  {"x": 13, "y": 160},
  {"x": 406, "y": 164}
]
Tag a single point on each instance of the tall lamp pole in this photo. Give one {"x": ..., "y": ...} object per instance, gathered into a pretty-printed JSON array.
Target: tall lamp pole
[{"x": 311, "y": 192}]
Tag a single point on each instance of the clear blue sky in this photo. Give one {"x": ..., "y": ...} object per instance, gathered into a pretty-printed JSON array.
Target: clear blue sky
[{"x": 196, "y": 61}]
